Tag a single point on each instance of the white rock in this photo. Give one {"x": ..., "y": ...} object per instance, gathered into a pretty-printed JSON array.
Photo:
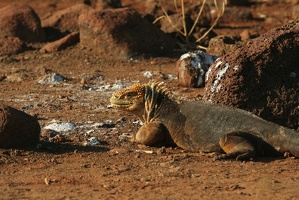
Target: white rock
[
  {"x": 94, "y": 141},
  {"x": 52, "y": 79},
  {"x": 148, "y": 74},
  {"x": 138, "y": 122},
  {"x": 61, "y": 127},
  {"x": 193, "y": 66}
]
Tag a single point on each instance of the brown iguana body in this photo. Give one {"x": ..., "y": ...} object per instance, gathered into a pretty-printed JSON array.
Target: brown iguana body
[{"x": 198, "y": 126}]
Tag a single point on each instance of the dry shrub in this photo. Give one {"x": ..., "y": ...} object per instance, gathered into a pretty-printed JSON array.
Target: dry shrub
[{"x": 180, "y": 7}]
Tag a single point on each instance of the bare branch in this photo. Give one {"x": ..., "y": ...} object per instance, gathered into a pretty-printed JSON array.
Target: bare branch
[{"x": 220, "y": 11}]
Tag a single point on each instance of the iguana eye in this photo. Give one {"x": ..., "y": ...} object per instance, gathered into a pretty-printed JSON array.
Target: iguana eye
[{"x": 130, "y": 95}]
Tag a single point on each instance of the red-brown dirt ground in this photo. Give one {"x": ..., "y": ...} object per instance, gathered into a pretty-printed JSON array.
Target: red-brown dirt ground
[{"x": 117, "y": 169}]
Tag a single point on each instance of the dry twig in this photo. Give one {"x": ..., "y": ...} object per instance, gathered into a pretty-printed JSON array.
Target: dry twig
[{"x": 219, "y": 6}]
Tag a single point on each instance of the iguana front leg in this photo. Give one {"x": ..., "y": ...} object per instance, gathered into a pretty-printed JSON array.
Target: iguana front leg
[
  {"x": 236, "y": 145},
  {"x": 153, "y": 134}
]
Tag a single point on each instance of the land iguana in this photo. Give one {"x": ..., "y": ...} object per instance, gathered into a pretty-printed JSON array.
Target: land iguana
[{"x": 199, "y": 126}]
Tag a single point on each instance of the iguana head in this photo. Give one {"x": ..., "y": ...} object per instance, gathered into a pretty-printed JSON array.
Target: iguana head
[
  {"x": 130, "y": 99},
  {"x": 140, "y": 99}
]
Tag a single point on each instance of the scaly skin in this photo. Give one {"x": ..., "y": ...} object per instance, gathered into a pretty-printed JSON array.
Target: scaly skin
[{"x": 198, "y": 126}]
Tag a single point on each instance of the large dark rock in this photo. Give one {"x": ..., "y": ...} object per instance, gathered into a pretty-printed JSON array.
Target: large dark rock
[
  {"x": 261, "y": 77},
  {"x": 122, "y": 32},
  {"x": 17, "y": 129},
  {"x": 20, "y": 20}
]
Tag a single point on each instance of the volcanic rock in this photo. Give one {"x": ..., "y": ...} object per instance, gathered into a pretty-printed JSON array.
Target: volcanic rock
[
  {"x": 122, "y": 32},
  {"x": 221, "y": 45},
  {"x": 261, "y": 77},
  {"x": 63, "y": 43},
  {"x": 66, "y": 19},
  {"x": 20, "y": 20},
  {"x": 11, "y": 45},
  {"x": 17, "y": 129}
]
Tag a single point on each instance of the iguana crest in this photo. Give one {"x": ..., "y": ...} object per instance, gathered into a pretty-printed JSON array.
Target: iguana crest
[{"x": 144, "y": 100}]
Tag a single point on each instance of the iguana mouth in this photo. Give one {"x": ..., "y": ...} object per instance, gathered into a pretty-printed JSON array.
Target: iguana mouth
[{"x": 121, "y": 104}]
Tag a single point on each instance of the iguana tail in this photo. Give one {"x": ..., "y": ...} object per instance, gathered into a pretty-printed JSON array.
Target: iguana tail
[{"x": 286, "y": 141}]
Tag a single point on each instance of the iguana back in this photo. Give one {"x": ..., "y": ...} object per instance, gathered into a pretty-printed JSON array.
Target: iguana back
[{"x": 205, "y": 123}]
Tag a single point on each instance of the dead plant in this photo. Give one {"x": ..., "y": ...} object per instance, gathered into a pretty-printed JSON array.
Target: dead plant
[{"x": 219, "y": 7}]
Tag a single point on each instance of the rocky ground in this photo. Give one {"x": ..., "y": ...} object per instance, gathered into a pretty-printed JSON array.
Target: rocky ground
[{"x": 85, "y": 155}]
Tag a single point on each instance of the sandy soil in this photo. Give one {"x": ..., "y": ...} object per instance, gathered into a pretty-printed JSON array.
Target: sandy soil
[{"x": 117, "y": 169}]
